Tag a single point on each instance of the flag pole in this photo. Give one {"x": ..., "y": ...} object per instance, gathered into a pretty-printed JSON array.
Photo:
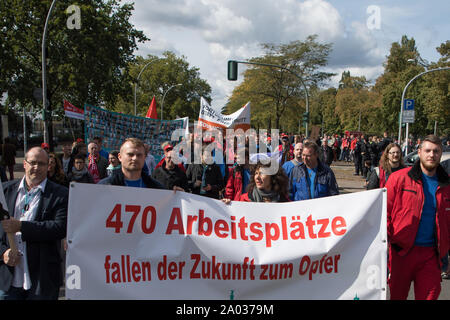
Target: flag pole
[
  {"x": 70, "y": 123},
  {"x": 71, "y": 130}
]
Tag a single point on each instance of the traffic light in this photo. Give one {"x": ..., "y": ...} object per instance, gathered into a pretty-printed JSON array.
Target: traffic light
[
  {"x": 232, "y": 70},
  {"x": 305, "y": 117}
]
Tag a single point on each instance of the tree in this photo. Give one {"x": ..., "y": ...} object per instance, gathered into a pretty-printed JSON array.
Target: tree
[
  {"x": 157, "y": 78},
  {"x": 85, "y": 65},
  {"x": 323, "y": 110},
  {"x": 357, "y": 104},
  {"x": 397, "y": 72},
  {"x": 430, "y": 91},
  {"x": 348, "y": 81},
  {"x": 444, "y": 50},
  {"x": 279, "y": 94},
  {"x": 435, "y": 92}
]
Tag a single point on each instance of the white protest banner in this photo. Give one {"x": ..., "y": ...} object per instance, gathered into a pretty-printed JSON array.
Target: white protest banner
[
  {"x": 210, "y": 119},
  {"x": 131, "y": 243},
  {"x": 71, "y": 111}
]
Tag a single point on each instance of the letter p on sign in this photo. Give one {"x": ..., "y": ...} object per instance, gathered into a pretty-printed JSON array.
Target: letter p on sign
[{"x": 409, "y": 104}]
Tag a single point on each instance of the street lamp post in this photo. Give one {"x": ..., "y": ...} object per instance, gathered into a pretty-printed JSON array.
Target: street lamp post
[
  {"x": 164, "y": 96},
  {"x": 137, "y": 80},
  {"x": 403, "y": 102},
  {"x": 424, "y": 63},
  {"x": 283, "y": 68},
  {"x": 44, "y": 75}
]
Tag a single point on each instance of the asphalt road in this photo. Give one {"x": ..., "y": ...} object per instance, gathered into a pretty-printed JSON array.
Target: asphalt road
[{"x": 347, "y": 183}]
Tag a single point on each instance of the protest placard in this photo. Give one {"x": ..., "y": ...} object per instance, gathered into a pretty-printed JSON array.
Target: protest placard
[
  {"x": 71, "y": 111},
  {"x": 211, "y": 119},
  {"x": 115, "y": 127},
  {"x": 156, "y": 244}
]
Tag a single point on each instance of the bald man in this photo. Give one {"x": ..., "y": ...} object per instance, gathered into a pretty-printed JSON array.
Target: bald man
[{"x": 38, "y": 217}]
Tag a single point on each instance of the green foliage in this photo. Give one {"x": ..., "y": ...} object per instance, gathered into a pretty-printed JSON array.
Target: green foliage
[
  {"x": 278, "y": 94},
  {"x": 156, "y": 79},
  {"x": 278, "y": 98},
  {"x": 347, "y": 81},
  {"x": 430, "y": 92},
  {"x": 85, "y": 65},
  {"x": 96, "y": 65}
]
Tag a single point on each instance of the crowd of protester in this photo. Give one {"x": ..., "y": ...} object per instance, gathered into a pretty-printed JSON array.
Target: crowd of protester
[
  {"x": 303, "y": 170},
  {"x": 90, "y": 163},
  {"x": 374, "y": 159}
]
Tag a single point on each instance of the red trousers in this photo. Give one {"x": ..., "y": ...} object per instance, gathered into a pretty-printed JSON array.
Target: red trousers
[{"x": 421, "y": 266}]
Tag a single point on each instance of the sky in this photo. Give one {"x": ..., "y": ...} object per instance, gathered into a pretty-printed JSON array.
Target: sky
[{"x": 208, "y": 33}]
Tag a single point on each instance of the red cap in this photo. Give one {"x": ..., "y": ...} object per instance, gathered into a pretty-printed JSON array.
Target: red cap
[
  {"x": 208, "y": 139},
  {"x": 168, "y": 147},
  {"x": 45, "y": 145}
]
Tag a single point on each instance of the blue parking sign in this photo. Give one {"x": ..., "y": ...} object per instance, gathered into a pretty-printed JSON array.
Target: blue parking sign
[{"x": 408, "y": 104}]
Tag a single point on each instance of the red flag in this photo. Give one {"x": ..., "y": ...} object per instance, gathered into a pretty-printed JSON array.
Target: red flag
[{"x": 151, "y": 112}]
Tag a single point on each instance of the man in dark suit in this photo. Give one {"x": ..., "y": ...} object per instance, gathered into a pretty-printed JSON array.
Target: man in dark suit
[{"x": 38, "y": 218}]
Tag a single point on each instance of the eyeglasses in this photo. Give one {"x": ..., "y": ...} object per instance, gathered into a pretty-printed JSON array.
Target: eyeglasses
[
  {"x": 36, "y": 163},
  {"x": 394, "y": 152}
]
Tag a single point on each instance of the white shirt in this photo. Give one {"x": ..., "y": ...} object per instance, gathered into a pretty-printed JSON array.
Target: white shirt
[{"x": 25, "y": 209}]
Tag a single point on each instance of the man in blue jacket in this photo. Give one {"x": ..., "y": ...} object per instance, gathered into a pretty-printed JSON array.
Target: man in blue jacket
[
  {"x": 312, "y": 179},
  {"x": 289, "y": 165}
]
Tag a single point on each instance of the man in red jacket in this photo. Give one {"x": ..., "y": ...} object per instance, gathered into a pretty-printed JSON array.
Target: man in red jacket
[{"x": 418, "y": 224}]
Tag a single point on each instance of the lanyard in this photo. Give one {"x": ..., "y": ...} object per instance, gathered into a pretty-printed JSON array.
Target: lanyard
[{"x": 29, "y": 196}]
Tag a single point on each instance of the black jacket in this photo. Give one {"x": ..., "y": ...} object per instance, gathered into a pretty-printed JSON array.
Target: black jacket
[
  {"x": 326, "y": 155},
  {"x": 373, "y": 150},
  {"x": 365, "y": 150},
  {"x": 85, "y": 178},
  {"x": 383, "y": 144},
  {"x": 43, "y": 238},
  {"x": 118, "y": 179},
  {"x": 373, "y": 178},
  {"x": 213, "y": 177},
  {"x": 171, "y": 178}
]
